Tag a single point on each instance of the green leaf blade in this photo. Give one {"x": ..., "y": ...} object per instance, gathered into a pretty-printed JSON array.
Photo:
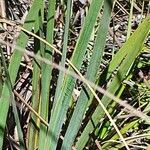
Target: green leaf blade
[
  {"x": 60, "y": 109},
  {"x": 92, "y": 71},
  {"x": 14, "y": 66}
]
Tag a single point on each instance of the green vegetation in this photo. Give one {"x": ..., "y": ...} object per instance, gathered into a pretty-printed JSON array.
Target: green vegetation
[{"x": 77, "y": 100}]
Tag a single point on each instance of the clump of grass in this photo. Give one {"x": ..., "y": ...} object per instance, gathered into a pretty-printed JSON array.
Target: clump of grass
[{"x": 95, "y": 118}]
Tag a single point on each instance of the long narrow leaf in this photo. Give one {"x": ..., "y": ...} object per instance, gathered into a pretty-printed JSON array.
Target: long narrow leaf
[
  {"x": 14, "y": 66},
  {"x": 34, "y": 122},
  {"x": 62, "y": 104},
  {"x": 92, "y": 71},
  {"x": 46, "y": 73},
  {"x": 12, "y": 101},
  {"x": 63, "y": 59}
]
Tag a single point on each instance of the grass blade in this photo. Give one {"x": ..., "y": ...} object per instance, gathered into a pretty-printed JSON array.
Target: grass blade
[
  {"x": 130, "y": 19},
  {"x": 34, "y": 121},
  {"x": 12, "y": 101},
  {"x": 59, "y": 112},
  {"x": 85, "y": 94},
  {"x": 1, "y": 80},
  {"x": 14, "y": 66},
  {"x": 64, "y": 52},
  {"x": 63, "y": 60},
  {"x": 46, "y": 71}
]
